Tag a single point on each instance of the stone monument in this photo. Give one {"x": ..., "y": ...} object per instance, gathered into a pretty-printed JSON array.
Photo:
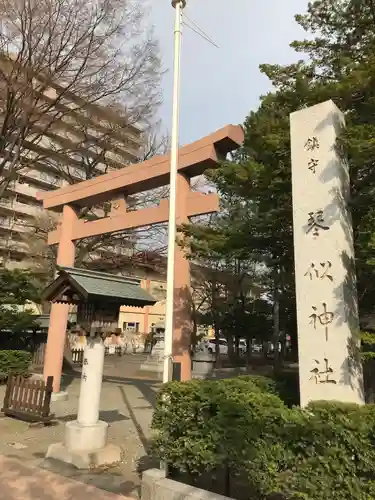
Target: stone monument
[
  {"x": 155, "y": 361},
  {"x": 85, "y": 444},
  {"x": 327, "y": 316}
]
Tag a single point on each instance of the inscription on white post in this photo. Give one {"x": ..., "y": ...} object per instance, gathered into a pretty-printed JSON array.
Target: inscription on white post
[
  {"x": 327, "y": 315},
  {"x": 91, "y": 382}
]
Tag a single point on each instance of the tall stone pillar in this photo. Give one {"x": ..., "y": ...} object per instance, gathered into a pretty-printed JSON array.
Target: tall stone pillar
[
  {"x": 182, "y": 315},
  {"x": 59, "y": 312},
  {"x": 327, "y": 313}
]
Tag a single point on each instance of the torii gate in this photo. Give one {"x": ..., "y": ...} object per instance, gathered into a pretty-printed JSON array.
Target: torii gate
[{"x": 115, "y": 186}]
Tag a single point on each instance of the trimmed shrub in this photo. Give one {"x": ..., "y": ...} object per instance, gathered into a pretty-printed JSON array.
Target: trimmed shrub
[
  {"x": 265, "y": 384},
  {"x": 324, "y": 452},
  {"x": 14, "y": 363},
  {"x": 287, "y": 387},
  {"x": 330, "y": 453},
  {"x": 192, "y": 419}
]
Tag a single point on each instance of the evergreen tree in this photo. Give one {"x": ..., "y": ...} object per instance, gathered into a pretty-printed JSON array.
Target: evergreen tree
[
  {"x": 18, "y": 290},
  {"x": 256, "y": 222}
]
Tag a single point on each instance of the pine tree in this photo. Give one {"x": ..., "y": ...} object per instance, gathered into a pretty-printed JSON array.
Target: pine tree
[
  {"x": 18, "y": 290},
  {"x": 256, "y": 222}
]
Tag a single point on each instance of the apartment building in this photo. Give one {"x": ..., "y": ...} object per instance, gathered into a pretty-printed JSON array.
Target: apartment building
[{"x": 85, "y": 140}]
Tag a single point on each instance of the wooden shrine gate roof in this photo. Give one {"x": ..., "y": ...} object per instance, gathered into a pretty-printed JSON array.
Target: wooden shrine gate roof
[{"x": 75, "y": 285}]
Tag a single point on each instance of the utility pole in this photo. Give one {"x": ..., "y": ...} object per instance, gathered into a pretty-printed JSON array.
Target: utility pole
[{"x": 178, "y": 5}]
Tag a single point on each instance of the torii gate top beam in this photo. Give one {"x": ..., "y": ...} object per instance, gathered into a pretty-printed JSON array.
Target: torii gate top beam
[{"x": 195, "y": 158}]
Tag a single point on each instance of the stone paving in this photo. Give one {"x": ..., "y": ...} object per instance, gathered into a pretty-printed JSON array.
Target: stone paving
[
  {"x": 126, "y": 404},
  {"x": 20, "y": 481}
]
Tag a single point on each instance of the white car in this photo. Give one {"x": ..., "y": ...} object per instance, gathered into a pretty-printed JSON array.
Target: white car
[
  {"x": 210, "y": 346},
  {"x": 257, "y": 348},
  {"x": 242, "y": 346}
]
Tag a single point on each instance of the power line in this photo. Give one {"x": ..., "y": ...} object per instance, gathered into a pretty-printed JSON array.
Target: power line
[
  {"x": 194, "y": 27},
  {"x": 189, "y": 23}
]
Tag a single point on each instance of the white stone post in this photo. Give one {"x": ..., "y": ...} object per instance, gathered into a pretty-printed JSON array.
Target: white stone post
[
  {"x": 91, "y": 382},
  {"x": 85, "y": 444},
  {"x": 326, "y": 297}
]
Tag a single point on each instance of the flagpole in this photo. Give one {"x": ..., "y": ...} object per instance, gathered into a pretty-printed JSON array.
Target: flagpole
[{"x": 169, "y": 326}]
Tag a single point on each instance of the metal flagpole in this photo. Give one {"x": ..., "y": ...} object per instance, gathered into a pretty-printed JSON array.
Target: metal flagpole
[{"x": 168, "y": 338}]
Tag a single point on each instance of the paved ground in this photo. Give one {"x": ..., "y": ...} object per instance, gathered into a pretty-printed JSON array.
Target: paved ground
[
  {"x": 127, "y": 403},
  {"x": 19, "y": 481}
]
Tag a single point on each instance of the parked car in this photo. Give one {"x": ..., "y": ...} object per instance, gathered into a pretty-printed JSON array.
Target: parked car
[
  {"x": 257, "y": 348},
  {"x": 210, "y": 346},
  {"x": 242, "y": 346}
]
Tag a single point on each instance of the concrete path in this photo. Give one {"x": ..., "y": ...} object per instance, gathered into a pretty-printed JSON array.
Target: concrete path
[
  {"x": 126, "y": 404},
  {"x": 19, "y": 481}
]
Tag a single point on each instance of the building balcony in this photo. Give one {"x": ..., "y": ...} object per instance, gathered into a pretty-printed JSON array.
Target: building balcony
[
  {"x": 8, "y": 205},
  {"x": 23, "y": 188},
  {"x": 14, "y": 247},
  {"x": 47, "y": 180},
  {"x": 9, "y": 224}
]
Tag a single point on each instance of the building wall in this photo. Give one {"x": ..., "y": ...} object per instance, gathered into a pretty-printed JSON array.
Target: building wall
[
  {"x": 147, "y": 316},
  {"x": 153, "y": 279}
]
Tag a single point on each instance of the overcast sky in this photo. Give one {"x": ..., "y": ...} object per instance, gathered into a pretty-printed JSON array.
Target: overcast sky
[{"x": 221, "y": 86}]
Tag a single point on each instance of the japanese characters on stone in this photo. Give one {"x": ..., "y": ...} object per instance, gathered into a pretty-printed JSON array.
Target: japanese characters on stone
[
  {"x": 84, "y": 363},
  {"x": 324, "y": 318},
  {"x": 315, "y": 223},
  {"x": 320, "y": 271},
  {"x": 321, "y": 316},
  {"x": 312, "y": 146},
  {"x": 322, "y": 374}
]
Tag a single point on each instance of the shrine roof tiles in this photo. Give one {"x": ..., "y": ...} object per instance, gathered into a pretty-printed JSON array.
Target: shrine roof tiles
[{"x": 94, "y": 286}]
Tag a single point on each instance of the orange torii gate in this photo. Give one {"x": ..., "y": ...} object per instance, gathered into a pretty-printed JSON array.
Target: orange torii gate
[{"x": 115, "y": 186}]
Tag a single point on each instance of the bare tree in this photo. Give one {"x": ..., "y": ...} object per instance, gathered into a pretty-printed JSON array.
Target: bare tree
[
  {"x": 75, "y": 77},
  {"x": 110, "y": 251},
  {"x": 60, "y": 62},
  {"x": 42, "y": 256},
  {"x": 115, "y": 250}
]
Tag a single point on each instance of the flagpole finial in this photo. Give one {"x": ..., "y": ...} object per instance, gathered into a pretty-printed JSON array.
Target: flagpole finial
[{"x": 182, "y": 2}]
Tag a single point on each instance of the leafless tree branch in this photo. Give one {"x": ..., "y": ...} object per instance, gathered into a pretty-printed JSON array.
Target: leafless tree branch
[{"x": 63, "y": 58}]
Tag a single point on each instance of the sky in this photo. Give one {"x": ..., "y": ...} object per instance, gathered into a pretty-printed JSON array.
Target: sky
[{"x": 222, "y": 85}]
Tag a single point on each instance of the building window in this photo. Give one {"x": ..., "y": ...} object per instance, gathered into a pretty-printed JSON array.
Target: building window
[{"x": 128, "y": 326}]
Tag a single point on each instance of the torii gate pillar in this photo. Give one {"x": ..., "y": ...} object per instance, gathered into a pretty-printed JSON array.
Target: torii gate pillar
[
  {"x": 53, "y": 359},
  {"x": 182, "y": 322}
]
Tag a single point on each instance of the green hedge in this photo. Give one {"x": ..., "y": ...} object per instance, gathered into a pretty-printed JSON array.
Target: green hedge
[
  {"x": 324, "y": 452},
  {"x": 14, "y": 363}
]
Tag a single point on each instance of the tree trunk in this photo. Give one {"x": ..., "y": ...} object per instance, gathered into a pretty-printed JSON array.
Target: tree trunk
[
  {"x": 231, "y": 356},
  {"x": 249, "y": 351},
  {"x": 194, "y": 334},
  {"x": 217, "y": 345},
  {"x": 237, "y": 348},
  {"x": 276, "y": 321}
]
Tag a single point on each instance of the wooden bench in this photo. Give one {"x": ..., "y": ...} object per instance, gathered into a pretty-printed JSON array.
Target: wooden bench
[{"x": 28, "y": 399}]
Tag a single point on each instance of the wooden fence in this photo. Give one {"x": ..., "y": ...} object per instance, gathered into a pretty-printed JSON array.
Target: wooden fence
[
  {"x": 77, "y": 354},
  {"x": 28, "y": 399},
  {"x": 38, "y": 355},
  {"x": 114, "y": 350}
]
